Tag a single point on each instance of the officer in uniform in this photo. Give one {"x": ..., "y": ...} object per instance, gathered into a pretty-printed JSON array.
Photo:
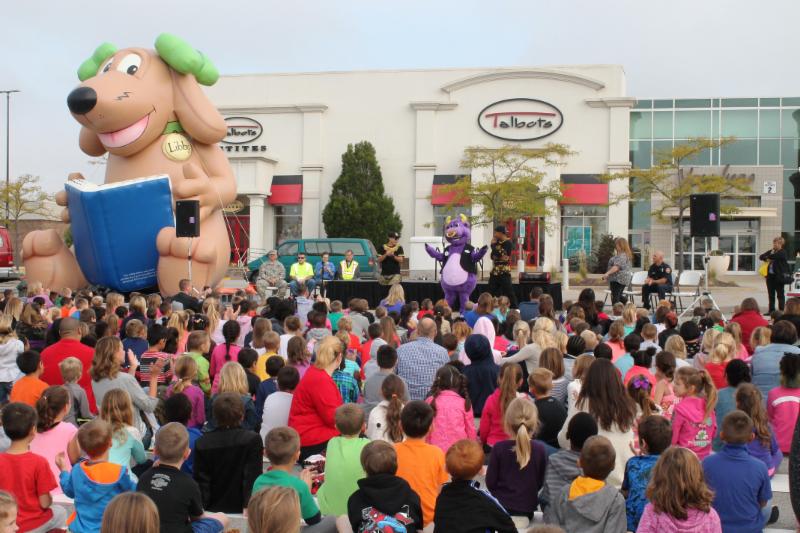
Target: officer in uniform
[
  {"x": 500, "y": 277},
  {"x": 659, "y": 280},
  {"x": 348, "y": 267},
  {"x": 390, "y": 260}
]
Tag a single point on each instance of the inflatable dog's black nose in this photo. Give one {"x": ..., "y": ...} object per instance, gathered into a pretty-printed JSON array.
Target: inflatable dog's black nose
[{"x": 82, "y": 100}]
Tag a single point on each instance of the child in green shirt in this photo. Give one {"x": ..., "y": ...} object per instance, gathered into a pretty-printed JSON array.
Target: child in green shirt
[
  {"x": 282, "y": 448},
  {"x": 197, "y": 344},
  {"x": 335, "y": 314},
  {"x": 343, "y": 461}
]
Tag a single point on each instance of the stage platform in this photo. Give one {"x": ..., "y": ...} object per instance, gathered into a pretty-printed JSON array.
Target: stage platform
[{"x": 371, "y": 291}]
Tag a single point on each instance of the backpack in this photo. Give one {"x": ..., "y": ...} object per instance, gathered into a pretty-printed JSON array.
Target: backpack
[{"x": 375, "y": 521}]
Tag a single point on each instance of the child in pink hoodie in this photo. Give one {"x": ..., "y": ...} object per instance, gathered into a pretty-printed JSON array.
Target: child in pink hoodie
[
  {"x": 680, "y": 501},
  {"x": 491, "y": 429},
  {"x": 694, "y": 422},
  {"x": 454, "y": 419}
]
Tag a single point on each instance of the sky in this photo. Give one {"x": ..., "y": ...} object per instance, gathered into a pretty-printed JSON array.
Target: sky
[{"x": 680, "y": 48}]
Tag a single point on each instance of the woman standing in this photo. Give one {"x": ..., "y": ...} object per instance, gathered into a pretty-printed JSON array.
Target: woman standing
[
  {"x": 619, "y": 270},
  {"x": 777, "y": 271}
]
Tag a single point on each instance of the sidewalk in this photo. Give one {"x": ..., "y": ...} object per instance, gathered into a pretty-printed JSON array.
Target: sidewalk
[{"x": 726, "y": 297}]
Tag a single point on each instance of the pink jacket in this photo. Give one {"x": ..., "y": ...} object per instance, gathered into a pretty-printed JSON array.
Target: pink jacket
[
  {"x": 452, "y": 423},
  {"x": 491, "y": 428},
  {"x": 695, "y": 522},
  {"x": 691, "y": 429},
  {"x": 783, "y": 406}
]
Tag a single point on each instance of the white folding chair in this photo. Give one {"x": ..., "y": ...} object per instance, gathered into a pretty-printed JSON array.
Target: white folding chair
[
  {"x": 635, "y": 286},
  {"x": 688, "y": 287}
]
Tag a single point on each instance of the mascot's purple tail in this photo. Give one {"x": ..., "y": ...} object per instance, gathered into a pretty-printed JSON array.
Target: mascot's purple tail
[{"x": 459, "y": 260}]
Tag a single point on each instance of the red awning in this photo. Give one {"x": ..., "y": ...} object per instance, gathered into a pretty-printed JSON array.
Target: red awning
[
  {"x": 585, "y": 193},
  {"x": 439, "y": 196},
  {"x": 286, "y": 190}
]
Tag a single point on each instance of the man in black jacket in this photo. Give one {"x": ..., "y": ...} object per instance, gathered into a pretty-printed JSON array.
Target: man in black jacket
[{"x": 185, "y": 297}]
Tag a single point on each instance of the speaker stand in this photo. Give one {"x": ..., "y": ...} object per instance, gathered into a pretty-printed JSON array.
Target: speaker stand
[
  {"x": 705, "y": 294},
  {"x": 189, "y": 258}
]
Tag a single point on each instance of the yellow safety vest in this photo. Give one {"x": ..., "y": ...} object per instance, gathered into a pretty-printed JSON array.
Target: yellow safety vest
[{"x": 348, "y": 273}]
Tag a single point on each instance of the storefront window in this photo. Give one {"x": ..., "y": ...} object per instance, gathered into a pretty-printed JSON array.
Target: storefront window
[
  {"x": 741, "y": 152},
  {"x": 790, "y": 122},
  {"x": 640, "y": 243},
  {"x": 769, "y": 124},
  {"x": 692, "y": 124},
  {"x": 288, "y": 222},
  {"x": 441, "y": 212},
  {"x": 769, "y": 152},
  {"x": 581, "y": 228},
  {"x": 641, "y": 125},
  {"x": 740, "y": 123},
  {"x": 661, "y": 151},
  {"x": 641, "y": 153},
  {"x": 662, "y": 125}
]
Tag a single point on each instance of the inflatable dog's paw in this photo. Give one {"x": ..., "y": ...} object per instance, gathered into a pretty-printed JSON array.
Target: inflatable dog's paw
[
  {"x": 48, "y": 260},
  {"x": 173, "y": 261}
]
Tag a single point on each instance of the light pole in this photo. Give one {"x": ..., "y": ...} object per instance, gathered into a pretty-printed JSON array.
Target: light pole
[{"x": 8, "y": 145}]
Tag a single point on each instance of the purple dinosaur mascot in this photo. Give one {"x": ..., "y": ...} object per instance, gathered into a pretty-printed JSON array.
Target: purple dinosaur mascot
[{"x": 459, "y": 258}]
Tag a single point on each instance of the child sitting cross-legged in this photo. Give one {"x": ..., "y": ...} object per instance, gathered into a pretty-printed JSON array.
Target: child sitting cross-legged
[
  {"x": 655, "y": 434},
  {"x": 53, "y": 434},
  {"x": 94, "y": 482},
  {"x": 678, "y": 499},
  {"x": 343, "y": 461},
  {"x": 186, "y": 372},
  {"x": 382, "y": 496},
  {"x": 71, "y": 370},
  {"x": 282, "y": 448},
  {"x": 26, "y": 475},
  {"x": 462, "y": 505},
  {"x": 454, "y": 418},
  {"x": 420, "y": 463},
  {"x": 175, "y": 493},
  {"x": 227, "y": 460},
  {"x": 30, "y": 387},
  {"x": 279, "y": 403},
  {"x": 740, "y": 482},
  {"x": 178, "y": 408},
  {"x": 517, "y": 466},
  {"x": 562, "y": 466},
  {"x": 589, "y": 504},
  {"x": 273, "y": 365},
  {"x": 117, "y": 410}
]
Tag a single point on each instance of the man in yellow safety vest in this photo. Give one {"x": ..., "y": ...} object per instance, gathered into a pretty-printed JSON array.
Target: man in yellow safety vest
[{"x": 348, "y": 267}]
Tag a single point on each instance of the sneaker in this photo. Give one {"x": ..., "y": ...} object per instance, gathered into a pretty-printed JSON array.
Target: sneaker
[{"x": 774, "y": 515}]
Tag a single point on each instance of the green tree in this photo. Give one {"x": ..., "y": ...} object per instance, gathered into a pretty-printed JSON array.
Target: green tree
[
  {"x": 358, "y": 206},
  {"x": 671, "y": 181},
  {"x": 511, "y": 183},
  {"x": 25, "y": 198}
]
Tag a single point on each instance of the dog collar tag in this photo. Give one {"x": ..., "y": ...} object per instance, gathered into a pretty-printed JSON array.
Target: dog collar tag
[{"x": 176, "y": 147}]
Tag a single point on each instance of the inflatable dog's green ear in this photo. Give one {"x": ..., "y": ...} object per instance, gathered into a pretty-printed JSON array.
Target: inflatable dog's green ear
[
  {"x": 179, "y": 55},
  {"x": 89, "y": 67}
]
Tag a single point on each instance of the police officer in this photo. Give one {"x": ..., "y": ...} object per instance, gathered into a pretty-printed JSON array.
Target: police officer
[
  {"x": 500, "y": 277},
  {"x": 659, "y": 279}
]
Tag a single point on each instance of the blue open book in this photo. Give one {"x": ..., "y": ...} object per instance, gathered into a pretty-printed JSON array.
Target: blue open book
[{"x": 114, "y": 228}]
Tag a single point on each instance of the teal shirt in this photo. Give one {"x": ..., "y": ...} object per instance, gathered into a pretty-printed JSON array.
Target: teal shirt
[
  {"x": 121, "y": 452},
  {"x": 271, "y": 478},
  {"x": 342, "y": 472}
]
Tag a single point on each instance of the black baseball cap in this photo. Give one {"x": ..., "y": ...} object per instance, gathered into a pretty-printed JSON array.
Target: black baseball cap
[{"x": 501, "y": 229}]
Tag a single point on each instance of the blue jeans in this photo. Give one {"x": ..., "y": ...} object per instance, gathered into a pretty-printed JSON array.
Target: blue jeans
[
  {"x": 207, "y": 525},
  {"x": 310, "y": 284}
]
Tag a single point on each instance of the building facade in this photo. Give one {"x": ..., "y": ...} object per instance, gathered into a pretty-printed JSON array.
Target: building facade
[
  {"x": 767, "y": 132},
  {"x": 287, "y": 133}
]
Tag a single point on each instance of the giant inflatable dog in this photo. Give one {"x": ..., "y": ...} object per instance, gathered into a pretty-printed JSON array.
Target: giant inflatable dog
[
  {"x": 459, "y": 258},
  {"x": 130, "y": 104}
]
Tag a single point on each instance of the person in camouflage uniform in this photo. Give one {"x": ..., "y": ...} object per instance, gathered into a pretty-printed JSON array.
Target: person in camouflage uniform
[{"x": 272, "y": 273}]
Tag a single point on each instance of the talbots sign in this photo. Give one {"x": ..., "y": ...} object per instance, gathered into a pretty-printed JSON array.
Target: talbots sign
[
  {"x": 520, "y": 119},
  {"x": 242, "y": 130}
]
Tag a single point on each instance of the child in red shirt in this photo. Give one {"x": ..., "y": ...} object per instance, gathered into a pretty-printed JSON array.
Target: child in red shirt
[{"x": 32, "y": 480}]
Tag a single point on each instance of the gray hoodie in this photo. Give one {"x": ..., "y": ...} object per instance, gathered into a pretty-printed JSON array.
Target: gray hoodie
[
  {"x": 317, "y": 335},
  {"x": 562, "y": 469},
  {"x": 598, "y": 512}
]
